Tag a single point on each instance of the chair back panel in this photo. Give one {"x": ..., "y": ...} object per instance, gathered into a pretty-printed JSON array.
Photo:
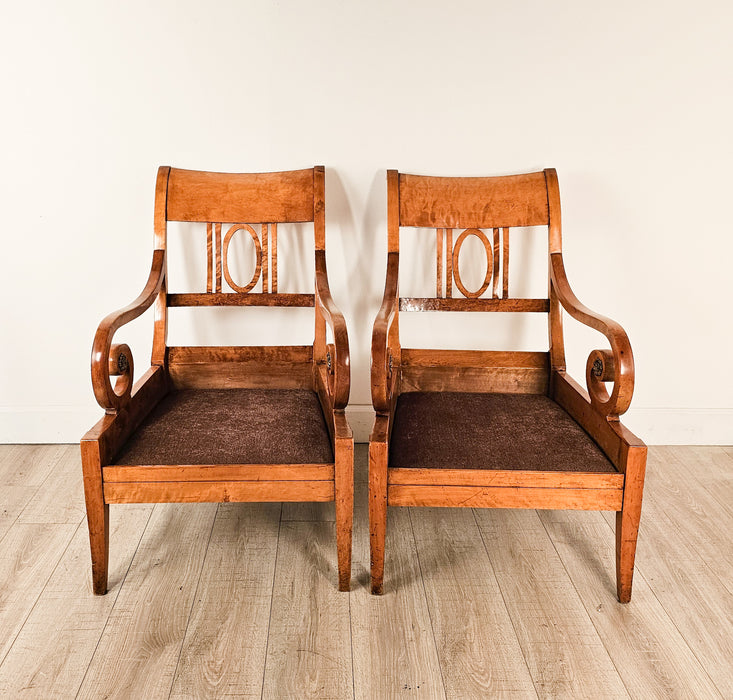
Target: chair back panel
[
  {"x": 249, "y": 205},
  {"x": 463, "y": 207},
  {"x": 253, "y": 198},
  {"x": 473, "y": 202}
]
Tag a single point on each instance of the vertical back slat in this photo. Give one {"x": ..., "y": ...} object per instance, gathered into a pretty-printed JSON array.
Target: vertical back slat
[
  {"x": 217, "y": 244},
  {"x": 209, "y": 258},
  {"x": 449, "y": 263},
  {"x": 273, "y": 271},
  {"x": 495, "y": 274},
  {"x": 439, "y": 257},
  {"x": 265, "y": 264},
  {"x": 505, "y": 265}
]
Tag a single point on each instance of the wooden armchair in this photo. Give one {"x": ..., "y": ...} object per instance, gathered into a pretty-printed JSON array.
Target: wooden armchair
[
  {"x": 496, "y": 429},
  {"x": 218, "y": 424}
]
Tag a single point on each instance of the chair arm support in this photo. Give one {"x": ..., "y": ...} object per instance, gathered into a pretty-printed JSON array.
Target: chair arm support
[
  {"x": 602, "y": 366},
  {"x": 338, "y": 366},
  {"x": 116, "y": 360},
  {"x": 381, "y": 357}
]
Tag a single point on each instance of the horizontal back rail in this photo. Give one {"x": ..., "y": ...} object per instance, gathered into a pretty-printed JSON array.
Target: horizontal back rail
[
  {"x": 474, "y": 371},
  {"x": 240, "y": 197},
  {"x": 459, "y": 304},
  {"x": 473, "y": 202},
  {"x": 248, "y": 367},
  {"x": 236, "y": 299}
]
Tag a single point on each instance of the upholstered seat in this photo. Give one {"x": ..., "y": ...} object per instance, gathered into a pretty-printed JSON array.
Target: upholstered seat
[
  {"x": 232, "y": 426},
  {"x": 490, "y": 431}
]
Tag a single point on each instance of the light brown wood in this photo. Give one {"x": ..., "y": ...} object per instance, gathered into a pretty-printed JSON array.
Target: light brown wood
[
  {"x": 475, "y": 379},
  {"x": 472, "y": 304},
  {"x": 474, "y": 371},
  {"x": 261, "y": 354},
  {"x": 219, "y": 256},
  {"x": 273, "y": 230},
  {"x": 237, "y": 201},
  {"x": 383, "y": 351},
  {"x": 496, "y": 253},
  {"x": 439, "y": 270},
  {"x": 623, "y": 375},
  {"x": 344, "y": 497},
  {"x": 219, "y": 472},
  {"x": 252, "y": 197},
  {"x": 378, "y": 450},
  {"x": 505, "y": 478},
  {"x": 498, "y": 203},
  {"x": 265, "y": 260},
  {"x": 478, "y": 233},
  {"x": 504, "y": 497},
  {"x": 473, "y": 202},
  {"x": 505, "y": 265},
  {"x": 258, "y": 259},
  {"x": 434, "y": 357},
  {"x": 241, "y": 375},
  {"x": 105, "y": 394},
  {"x": 340, "y": 361},
  {"x": 217, "y": 491}
]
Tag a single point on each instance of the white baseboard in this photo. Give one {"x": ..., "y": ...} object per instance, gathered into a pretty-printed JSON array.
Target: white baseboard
[{"x": 656, "y": 426}]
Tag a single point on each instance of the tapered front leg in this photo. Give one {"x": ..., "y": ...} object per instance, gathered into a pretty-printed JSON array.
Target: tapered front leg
[
  {"x": 377, "y": 511},
  {"x": 97, "y": 515},
  {"x": 344, "y": 486},
  {"x": 627, "y": 521}
]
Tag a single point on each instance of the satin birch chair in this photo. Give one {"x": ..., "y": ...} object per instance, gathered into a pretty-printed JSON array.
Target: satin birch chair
[
  {"x": 220, "y": 424},
  {"x": 493, "y": 429}
]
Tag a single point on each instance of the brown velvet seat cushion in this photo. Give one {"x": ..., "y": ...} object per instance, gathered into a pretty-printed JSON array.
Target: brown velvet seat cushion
[
  {"x": 490, "y": 431},
  {"x": 232, "y": 426}
]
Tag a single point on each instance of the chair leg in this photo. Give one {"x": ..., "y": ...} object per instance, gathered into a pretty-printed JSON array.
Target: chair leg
[
  {"x": 97, "y": 515},
  {"x": 627, "y": 522},
  {"x": 344, "y": 487},
  {"x": 377, "y": 512}
]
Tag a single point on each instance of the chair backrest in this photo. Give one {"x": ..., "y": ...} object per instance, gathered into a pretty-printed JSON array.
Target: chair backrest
[
  {"x": 249, "y": 204},
  {"x": 484, "y": 207}
]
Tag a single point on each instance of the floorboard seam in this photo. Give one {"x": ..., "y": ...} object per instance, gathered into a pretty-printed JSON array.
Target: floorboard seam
[
  {"x": 40, "y": 593},
  {"x": 580, "y": 599},
  {"x": 506, "y": 607},
  {"x": 272, "y": 596},
  {"x": 427, "y": 603},
  {"x": 193, "y": 601},
  {"x": 112, "y": 607}
]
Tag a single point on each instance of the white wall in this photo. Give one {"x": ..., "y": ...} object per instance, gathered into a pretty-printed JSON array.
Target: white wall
[{"x": 630, "y": 101}]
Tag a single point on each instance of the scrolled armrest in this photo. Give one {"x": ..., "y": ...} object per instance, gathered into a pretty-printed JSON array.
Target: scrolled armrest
[
  {"x": 338, "y": 364},
  {"x": 116, "y": 360},
  {"x": 381, "y": 357},
  {"x": 616, "y": 365}
]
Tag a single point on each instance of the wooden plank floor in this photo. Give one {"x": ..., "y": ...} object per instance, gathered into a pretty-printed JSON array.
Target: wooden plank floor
[{"x": 240, "y": 600}]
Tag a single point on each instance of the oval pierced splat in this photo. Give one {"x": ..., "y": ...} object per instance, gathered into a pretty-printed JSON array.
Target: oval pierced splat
[
  {"x": 489, "y": 262},
  {"x": 258, "y": 259}
]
